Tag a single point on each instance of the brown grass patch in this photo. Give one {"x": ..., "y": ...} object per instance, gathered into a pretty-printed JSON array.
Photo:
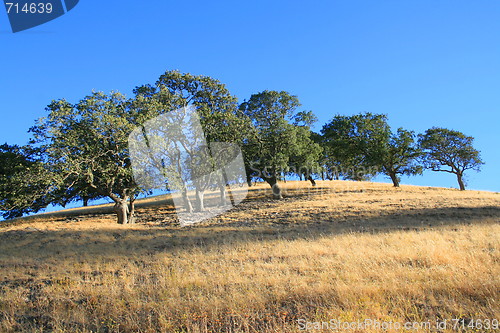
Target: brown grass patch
[{"x": 343, "y": 250}]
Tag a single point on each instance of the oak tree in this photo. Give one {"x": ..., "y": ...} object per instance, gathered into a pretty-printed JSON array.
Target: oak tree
[{"x": 450, "y": 151}]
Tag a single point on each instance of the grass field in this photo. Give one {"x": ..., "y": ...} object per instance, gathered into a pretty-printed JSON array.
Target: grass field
[{"x": 348, "y": 251}]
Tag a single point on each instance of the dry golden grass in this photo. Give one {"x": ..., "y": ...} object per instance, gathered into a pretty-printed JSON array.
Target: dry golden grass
[{"x": 343, "y": 250}]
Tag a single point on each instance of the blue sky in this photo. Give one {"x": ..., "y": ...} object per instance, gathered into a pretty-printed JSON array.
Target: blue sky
[{"x": 423, "y": 63}]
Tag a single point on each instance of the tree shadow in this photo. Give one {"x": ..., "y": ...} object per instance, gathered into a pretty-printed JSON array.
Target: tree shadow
[{"x": 160, "y": 231}]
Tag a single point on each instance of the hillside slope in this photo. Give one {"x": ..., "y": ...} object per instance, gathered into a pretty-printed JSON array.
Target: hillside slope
[{"x": 347, "y": 251}]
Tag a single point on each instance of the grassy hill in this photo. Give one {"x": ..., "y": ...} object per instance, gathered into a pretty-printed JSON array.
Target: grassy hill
[{"x": 347, "y": 251}]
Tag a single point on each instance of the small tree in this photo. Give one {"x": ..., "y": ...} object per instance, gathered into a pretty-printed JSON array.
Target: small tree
[
  {"x": 322, "y": 160},
  {"x": 273, "y": 140},
  {"x": 449, "y": 151},
  {"x": 399, "y": 156},
  {"x": 306, "y": 160}
]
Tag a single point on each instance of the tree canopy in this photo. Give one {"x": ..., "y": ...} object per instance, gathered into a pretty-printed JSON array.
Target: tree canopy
[
  {"x": 400, "y": 156},
  {"x": 449, "y": 151},
  {"x": 86, "y": 144},
  {"x": 24, "y": 181},
  {"x": 81, "y": 150},
  {"x": 354, "y": 144},
  {"x": 218, "y": 113},
  {"x": 279, "y": 135}
]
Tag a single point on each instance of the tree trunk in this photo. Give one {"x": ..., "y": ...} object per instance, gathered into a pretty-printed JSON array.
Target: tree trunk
[
  {"x": 273, "y": 181},
  {"x": 249, "y": 180},
  {"x": 222, "y": 188},
  {"x": 460, "y": 182},
  {"x": 223, "y": 194},
  {"x": 394, "y": 178},
  {"x": 131, "y": 212},
  {"x": 85, "y": 201},
  {"x": 121, "y": 210},
  {"x": 277, "y": 191},
  {"x": 187, "y": 202},
  {"x": 310, "y": 178},
  {"x": 200, "y": 206}
]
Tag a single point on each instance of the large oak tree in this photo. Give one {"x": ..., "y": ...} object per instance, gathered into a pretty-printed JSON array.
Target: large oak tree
[
  {"x": 86, "y": 145},
  {"x": 218, "y": 112},
  {"x": 360, "y": 146}
]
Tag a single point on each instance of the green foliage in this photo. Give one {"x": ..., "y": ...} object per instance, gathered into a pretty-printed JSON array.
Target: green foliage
[
  {"x": 217, "y": 108},
  {"x": 274, "y": 143},
  {"x": 78, "y": 191},
  {"x": 358, "y": 147},
  {"x": 399, "y": 156},
  {"x": 305, "y": 160},
  {"x": 218, "y": 112},
  {"x": 304, "y": 118},
  {"x": 24, "y": 182},
  {"x": 81, "y": 150},
  {"x": 449, "y": 151},
  {"x": 86, "y": 145},
  {"x": 354, "y": 145}
]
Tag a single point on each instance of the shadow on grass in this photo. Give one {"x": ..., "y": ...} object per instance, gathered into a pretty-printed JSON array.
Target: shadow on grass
[{"x": 163, "y": 233}]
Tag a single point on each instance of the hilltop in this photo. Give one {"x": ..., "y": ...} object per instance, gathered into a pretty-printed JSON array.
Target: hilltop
[{"x": 341, "y": 250}]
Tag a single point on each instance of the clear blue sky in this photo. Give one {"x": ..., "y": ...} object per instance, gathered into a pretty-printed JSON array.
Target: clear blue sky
[{"x": 423, "y": 62}]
